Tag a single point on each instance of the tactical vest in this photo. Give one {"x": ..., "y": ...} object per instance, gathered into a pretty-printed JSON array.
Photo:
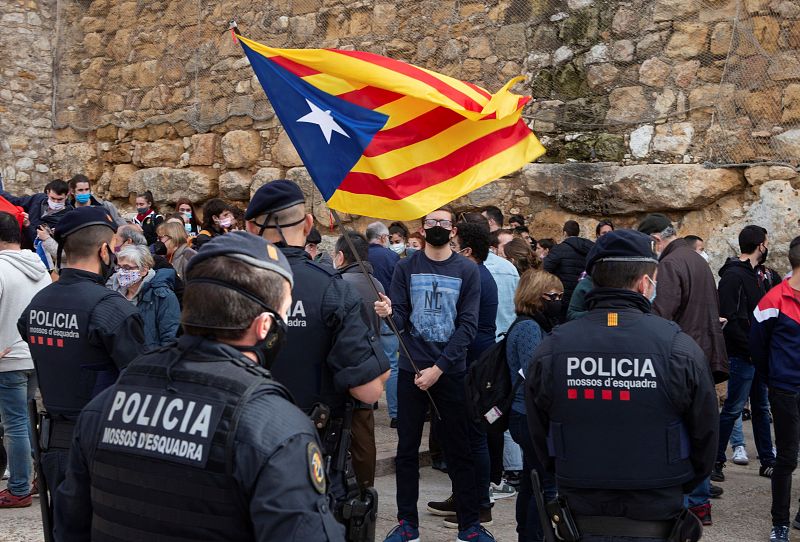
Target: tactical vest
[
  {"x": 612, "y": 423},
  {"x": 70, "y": 369},
  {"x": 301, "y": 364},
  {"x": 163, "y": 464}
]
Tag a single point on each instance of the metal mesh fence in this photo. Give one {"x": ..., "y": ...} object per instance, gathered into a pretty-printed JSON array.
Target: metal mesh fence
[{"x": 639, "y": 80}]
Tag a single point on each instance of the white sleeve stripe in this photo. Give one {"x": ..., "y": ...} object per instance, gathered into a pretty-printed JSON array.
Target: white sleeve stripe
[{"x": 765, "y": 314}]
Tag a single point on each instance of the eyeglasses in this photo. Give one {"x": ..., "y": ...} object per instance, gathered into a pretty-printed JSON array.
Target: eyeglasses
[
  {"x": 553, "y": 296},
  {"x": 432, "y": 222}
]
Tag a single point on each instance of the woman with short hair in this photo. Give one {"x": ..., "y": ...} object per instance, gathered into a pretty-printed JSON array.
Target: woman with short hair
[
  {"x": 151, "y": 291},
  {"x": 174, "y": 237}
]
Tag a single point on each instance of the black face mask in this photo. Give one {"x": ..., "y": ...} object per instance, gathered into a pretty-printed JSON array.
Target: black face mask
[
  {"x": 107, "y": 269},
  {"x": 437, "y": 236},
  {"x": 763, "y": 258},
  {"x": 267, "y": 350},
  {"x": 552, "y": 310}
]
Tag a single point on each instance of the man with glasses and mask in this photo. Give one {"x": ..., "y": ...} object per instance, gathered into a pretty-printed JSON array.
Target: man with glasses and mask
[
  {"x": 435, "y": 299},
  {"x": 80, "y": 333},
  {"x": 196, "y": 441}
]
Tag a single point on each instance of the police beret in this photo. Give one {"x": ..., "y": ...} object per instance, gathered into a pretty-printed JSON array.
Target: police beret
[
  {"x": 274, "y": 196},
  {"x": 654, "y": 223},
  {"x": 80, "y": 218},
  {"x": 252, "y": 250},
  {"x": 621, "y": 246}
]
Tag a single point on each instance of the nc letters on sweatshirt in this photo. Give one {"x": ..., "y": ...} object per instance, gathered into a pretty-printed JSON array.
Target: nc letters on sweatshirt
[{"x": 160, "y": 425}]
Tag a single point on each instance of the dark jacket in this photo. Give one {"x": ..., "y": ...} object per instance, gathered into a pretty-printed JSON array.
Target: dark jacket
[
  {"x": 149, "y": 225},
  {"x": 383, "y": 261},
  {"x": 687, "y": 295},
  {"x": 740, "y": 289},
  {"x": 352, "y": 274},
  {"x": 567, "y": 260},
  {"x": 158, "y": 307},
  {"x": 682, "y": 375},
  {"x": 775, "y": 337},
  {"x": 35, "y": 206}
]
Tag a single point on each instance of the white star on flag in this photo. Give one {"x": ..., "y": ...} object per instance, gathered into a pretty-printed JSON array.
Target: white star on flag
[{"x": 324, "y": 120}]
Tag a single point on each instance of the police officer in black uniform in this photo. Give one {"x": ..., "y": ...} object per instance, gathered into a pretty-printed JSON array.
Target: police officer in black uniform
[
  {"x": 622, "y": 408},
  {"x": 80, "y": 333},
  {"x": 331, "y": 356},
  {"x": 195, "y": 441}
]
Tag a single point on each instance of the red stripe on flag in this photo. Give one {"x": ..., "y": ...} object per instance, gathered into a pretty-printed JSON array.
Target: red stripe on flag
[
  {"x": 430, "y": 174},
  {"x": 422, "y": 127},
  {"x": 294, "y": 67},
  {"x": 416, "y": 73},
  {"x": 370, "y": 97},
  {"x": 478, "y": 89}
]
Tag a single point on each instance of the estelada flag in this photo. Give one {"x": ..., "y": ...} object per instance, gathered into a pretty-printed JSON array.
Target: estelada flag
[{"x": 387, "y": 139}]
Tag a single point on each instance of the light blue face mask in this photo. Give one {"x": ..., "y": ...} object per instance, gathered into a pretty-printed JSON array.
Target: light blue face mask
[
  {"x": 83, "y": 198},
  {"x": 410, "y": 251},
  {"x": 652, "y": 297}
]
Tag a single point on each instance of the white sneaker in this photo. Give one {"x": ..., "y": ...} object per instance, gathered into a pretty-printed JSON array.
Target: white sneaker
[
  {"x": 740, "y": 456},
  {"x": 501, "y": 490},
  {"x": 6, "y": 475}
]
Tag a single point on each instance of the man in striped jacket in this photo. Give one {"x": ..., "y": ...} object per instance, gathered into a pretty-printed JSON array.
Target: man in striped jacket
[{"x": 775, "y": 349}]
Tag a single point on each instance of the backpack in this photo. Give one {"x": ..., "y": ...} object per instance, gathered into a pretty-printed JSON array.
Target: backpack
[{"x": 489, "y": 389}]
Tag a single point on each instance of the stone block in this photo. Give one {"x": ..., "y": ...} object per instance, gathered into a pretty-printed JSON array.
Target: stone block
[
  {"x": 756, "y": 175},
  {"x": 263, "y": 176},
  {"x": 623, "y": 50},
  {"x": 785, "y": 66},
  {"x": 787, "y": 144},
  {"x": 120, "y": 180},
  {"x": 598, "y": 53},
  {"x": 601, "y": 76},
  {"x": 480, "y": 47},
  {"x": 203, "y": 149},
  {"x": 627, "y": 104},
  {"x": 673, "y": 138},
  {"x": 235, "y": 185},
  {"x": 673, "y": 10},
  {"x": 384, "y": 19},
  {"x": 68, "y": 159},
  {"x": 107, "y": 133},
  {"x": 721, "y": 37},
  {"x": 625, "y": 22},
  {"x": 168, "y": 184},
  {"x": 241, "y": 148},
  {"x": 161, "y": 153},
  {"x": 509, "y": 42},
  {"x": 639, "y": 141},
  {"x": 654, "y": 72},
  {"x": 688, "y": 40},
  {"x": 284, "y": 152},
  {"x": 685, "y": 73},
  {"x": 790, "y": 110}
]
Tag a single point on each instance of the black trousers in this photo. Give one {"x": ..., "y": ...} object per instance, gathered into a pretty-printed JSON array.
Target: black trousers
[
  {"x": 786, "y": 419},
  {"x": 449, "y": 394}
]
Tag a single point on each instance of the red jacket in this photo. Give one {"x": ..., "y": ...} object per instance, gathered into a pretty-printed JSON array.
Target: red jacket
[{"x": 775, "y": 337}]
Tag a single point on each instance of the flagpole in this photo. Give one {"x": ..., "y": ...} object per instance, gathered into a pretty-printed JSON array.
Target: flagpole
[{"x": 388, "y": 319}]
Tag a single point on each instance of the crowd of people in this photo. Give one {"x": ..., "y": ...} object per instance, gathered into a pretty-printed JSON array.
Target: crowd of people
[{"x": 411, "y": 311}]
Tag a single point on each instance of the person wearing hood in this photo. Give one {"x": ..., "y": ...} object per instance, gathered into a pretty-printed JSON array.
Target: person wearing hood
[
  {"x": 741, "y": 287},
  {"x": 151, "y": 291},
  {"x": 567, "y": 261},
  {"x": 636, "y": 383},
  {"x": 22, "y": 275}
]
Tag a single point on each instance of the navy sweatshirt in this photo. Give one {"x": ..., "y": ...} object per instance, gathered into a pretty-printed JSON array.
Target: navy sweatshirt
[{"x": 436, "y": 305}]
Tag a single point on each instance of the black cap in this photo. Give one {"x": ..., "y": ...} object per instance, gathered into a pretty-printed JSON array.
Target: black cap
[
  {"x": 80, "y": 218},
  {"x": 654, "y": 223},
  {"x": 251, "y": 249},
  {"x": 273, "y": 197},
  {"x": 314, "y": 237},
  {"x": 621, "y": 246}
]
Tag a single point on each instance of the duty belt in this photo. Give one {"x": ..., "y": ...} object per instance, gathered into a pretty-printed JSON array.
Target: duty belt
[
  {"x": 56, "y": 434},
  {"x": 618, "y": 526}
]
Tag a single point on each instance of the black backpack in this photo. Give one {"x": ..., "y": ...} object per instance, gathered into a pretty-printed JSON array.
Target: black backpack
[{"x": 489, "y": 389}]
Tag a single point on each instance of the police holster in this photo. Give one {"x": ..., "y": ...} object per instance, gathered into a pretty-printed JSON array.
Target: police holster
[
  {"x": 357, "y": 511},
  {"x": 36, "y": 423}
]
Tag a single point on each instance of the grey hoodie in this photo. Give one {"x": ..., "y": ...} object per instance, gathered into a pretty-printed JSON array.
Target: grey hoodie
[{"x": 22, "y": 275}]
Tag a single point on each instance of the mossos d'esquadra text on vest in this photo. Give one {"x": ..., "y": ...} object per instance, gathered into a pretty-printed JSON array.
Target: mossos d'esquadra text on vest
[
  {"x": 611, "y": 372},
  {"x": 297, "y": 315}
]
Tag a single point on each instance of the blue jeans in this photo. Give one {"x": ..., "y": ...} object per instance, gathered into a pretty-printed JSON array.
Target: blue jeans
[
  {"x": 529, "y": 528},
  {"x": 737, "y": 435},
  {"x": 390, "y": 346},
  {"x": 17, "y": 438},
  {"x": 512, "y": 454},
  {"x": 701, "y": 494},
  {"x": 744, "y": 382}
]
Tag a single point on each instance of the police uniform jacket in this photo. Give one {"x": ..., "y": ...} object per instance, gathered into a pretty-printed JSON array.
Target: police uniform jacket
[
  {"x": 622, "y": 410},
  {"x": 329, "y": 349},
  {"x": 80, "y": 335},
  {"x": 194, "y": 442}
]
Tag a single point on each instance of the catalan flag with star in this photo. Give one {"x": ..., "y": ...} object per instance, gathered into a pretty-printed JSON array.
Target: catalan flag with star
[{"x": 387, "y": 139}]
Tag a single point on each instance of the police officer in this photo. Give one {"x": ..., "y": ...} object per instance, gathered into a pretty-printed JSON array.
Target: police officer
[
  {"x": 80, "y": 333},
  {"x": 634, "y": 382},
  {"x": 331, "y": 355},
  {"x": 195, "y": 441}
]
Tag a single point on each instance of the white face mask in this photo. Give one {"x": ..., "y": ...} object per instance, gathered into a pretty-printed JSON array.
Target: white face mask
[
  {"x": 55, "y": 205},
  {"x": 705, "y": 255},
  {"x": 397, "y": 248},
  {"x": 226, "y": 222}
]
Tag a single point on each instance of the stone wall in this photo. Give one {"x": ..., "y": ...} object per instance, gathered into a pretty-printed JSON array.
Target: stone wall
[
  {"x": 26, "y": 90},
  {"x": 630, "y": 99}
]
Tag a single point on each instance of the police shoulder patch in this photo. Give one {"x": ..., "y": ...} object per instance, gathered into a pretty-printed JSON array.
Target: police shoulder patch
[{"x": 316, "y": 467}]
